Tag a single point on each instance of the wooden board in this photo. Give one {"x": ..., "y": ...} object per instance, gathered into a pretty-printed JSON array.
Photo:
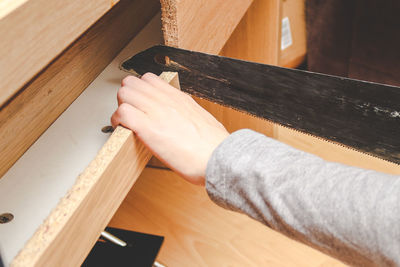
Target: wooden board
[
  {"x": 46, "y": 172},
  {"x": 36, "y": 31},
  {"x": 199, "y": 233},
  {"x": 256, "y": 38},
  {"x": 32, "y": 111},
  {"x": 295, "y": 54},
  {"x": 69, "y": 233},
  {"x": 201, "y": 25}
]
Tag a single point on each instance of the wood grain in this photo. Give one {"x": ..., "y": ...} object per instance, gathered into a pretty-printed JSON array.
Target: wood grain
[
  {"x": 201, "y": 25},
  {"x": 36, "y": 31},
  {"x": 256, "y": 38},
  {"x": 333, "y": 152},
  {"x": 33, "y": 110},
  {"x": 70, "y": 231},
  {"x": 295, "y": 54},
  {"x": 199, "y": 233}
]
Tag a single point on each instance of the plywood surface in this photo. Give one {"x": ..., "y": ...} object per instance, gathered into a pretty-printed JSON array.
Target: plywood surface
[
  {"x": 33, "y": 32},
  {"x": 199, "y": 233},
  {"x": 45, "y": 173},
  {"x": 32, "y": 111},
  {"x": 201, "y": 25}
]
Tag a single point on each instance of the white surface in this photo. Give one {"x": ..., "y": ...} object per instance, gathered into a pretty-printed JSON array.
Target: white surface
[
  {"x": 44, "y": 174},
  {"x": 286, "y": 34}
]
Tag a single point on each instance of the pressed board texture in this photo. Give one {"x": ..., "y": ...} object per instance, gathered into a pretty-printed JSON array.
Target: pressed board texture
[
  {"x": 199, "y": 233},
  {"x": 201, "y": 25},
  {"x": 68, "y": 234},
  {"x": 32, "y": 111},
  {"x": 35, "y": 31}
]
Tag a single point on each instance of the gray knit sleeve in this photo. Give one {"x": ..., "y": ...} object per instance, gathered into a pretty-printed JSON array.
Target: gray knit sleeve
[{"x": 349, "y": 213}]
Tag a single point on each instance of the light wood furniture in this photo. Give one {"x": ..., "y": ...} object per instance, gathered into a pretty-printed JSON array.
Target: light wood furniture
[
  {"x": 46, "y": 96},
  {"x": 33, "y": 32},
  {"x": 199, "y": 233},
  {"x": 201, "y": 25},
  {"x": 64, "y": 189}
]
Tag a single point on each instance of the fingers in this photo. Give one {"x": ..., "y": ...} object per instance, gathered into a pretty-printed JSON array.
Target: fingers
[
  {"x": 130, "y": 117},
  {"x": 134, "y": 97},
  {"x": 157, "y": 82}
]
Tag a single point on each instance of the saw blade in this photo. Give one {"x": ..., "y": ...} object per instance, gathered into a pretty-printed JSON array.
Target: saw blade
[{"x": 361, "y": 115}]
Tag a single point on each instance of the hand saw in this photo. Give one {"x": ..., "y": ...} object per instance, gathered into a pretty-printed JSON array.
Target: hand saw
[{"x": 361, "y": 115}]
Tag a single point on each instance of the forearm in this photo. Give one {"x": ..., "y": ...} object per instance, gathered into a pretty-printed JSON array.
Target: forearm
[{"x": 349, "y": 213}]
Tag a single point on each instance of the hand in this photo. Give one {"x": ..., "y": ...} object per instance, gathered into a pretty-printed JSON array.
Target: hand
[{"x": 170, "y": 123}]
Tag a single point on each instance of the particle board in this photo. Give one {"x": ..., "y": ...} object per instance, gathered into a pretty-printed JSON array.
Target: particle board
[
  {"x": 33, "y": 32},
  {"x": 46, "y": 96},
  {"x": 201, "y": 25},
  {"x": 48, "y": 172},
  {"x": 199, "y": 233}
]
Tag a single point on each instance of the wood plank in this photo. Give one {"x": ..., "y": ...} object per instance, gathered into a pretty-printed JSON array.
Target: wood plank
[
  {"x": 68, "y": 234},
  {"x": 32, "y": 111},
  {"x": 199, "y": 233},
  {"x": 34, "y": 32},
  {"x": 201, "y": 25},
  {"x": 256, "y": 38},
  {"x": 295, "y": 54}
]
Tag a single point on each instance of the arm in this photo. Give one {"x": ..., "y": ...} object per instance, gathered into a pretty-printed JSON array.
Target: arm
[{"x": 349, "y": 213}]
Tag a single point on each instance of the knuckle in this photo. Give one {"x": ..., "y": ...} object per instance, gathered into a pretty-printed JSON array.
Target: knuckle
[
  {"x": 122, "y": 93},
  {"x": 128, "y": 80},
  {"x": 148, "y": 76},
  {"x": 123, "y": 109}
]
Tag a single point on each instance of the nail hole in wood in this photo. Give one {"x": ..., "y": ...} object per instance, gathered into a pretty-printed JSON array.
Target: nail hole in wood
[
  {"x": 107, "y": 129},
  {"x": 6, "y": 217}
]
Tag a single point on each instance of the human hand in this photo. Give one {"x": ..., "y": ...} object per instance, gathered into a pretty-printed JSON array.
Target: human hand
[{"x": 170, "y": 123}]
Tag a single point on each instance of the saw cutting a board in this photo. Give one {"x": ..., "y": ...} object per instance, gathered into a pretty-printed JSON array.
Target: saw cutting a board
[{"x": 341, "y": 210}]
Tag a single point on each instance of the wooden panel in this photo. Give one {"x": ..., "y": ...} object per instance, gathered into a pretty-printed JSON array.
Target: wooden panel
[
  {"x": 72, "y": 228},
  {"x": 295, "y": 54},
  {"x": 199, "y": 233},
  {"x": 201, "y": 25},
  {"x": 34, "y": 32},
  {"x": 254, "y": 39},
  {"x": 32, "y": 111},
  {"x": 333, "y": 152}
]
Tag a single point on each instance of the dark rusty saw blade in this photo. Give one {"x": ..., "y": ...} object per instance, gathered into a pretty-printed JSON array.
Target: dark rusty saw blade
[{"x": 358, "y": 114}]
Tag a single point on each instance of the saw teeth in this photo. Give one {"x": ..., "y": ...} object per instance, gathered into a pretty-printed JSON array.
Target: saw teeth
[{"x": 298, "y": 131}]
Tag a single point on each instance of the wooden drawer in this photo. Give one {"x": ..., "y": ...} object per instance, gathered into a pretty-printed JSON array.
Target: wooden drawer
[{"x": 65, "y": 188}]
